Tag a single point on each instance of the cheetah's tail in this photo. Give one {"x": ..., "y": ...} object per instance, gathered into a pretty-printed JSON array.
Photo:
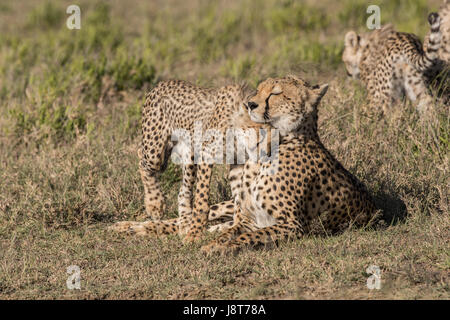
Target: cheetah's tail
[{"x": 428, "y": 59}]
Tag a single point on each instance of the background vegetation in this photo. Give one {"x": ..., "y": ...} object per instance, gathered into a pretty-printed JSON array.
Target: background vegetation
[{"x": 70, "y": 103}]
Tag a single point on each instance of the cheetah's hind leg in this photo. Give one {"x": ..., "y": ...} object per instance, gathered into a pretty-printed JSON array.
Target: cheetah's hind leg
[
  {"x": 263, "y": 236},
  {"x": 222, "y": 212},
  {"x": 169, "y": 226},
  {"x": 221, "y": 215},
  {"x": 147, "y": 228},
  {"x": 221, "y": 227}
]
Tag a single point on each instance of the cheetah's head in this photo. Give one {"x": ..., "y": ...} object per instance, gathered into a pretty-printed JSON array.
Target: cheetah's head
[
  {"x": 286, "y": 103},
  {"x": 352, "y": 54}
]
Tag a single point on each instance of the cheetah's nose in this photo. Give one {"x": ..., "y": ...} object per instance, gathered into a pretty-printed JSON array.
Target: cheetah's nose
[{"x": 252, "y": 105}]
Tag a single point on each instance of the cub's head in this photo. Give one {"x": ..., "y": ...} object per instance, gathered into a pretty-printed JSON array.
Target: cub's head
[
  {"x": 286, "y": 103},
  {"x": 357, "y": 45},
  {"x": 352, "y": 54}
]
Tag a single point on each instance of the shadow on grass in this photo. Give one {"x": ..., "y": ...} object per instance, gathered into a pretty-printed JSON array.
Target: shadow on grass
[{"x": 393, "y": 208}]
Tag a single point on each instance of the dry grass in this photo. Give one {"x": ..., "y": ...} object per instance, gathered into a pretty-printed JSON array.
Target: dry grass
[{"x": 69, "y": 129}]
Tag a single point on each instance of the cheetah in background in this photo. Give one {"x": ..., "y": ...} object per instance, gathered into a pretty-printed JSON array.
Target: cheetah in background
[
  {"x": 174, "y": 105},
  {"x": 310, "y": 190},
  {"x": 392, "y": 64},
  {"x": 444, "y": 50},
  {"x": 439, "y": 76}
]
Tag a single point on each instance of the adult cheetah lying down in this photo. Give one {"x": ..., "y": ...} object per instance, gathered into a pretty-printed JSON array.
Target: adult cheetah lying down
[
  {"x": 178, "y": 105},
  {"x": 392, "y": 64},
  {"x": 309, "y": 188}
]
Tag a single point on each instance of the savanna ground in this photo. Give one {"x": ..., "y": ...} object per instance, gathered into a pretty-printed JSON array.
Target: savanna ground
[{"x": 70, "y": 103}]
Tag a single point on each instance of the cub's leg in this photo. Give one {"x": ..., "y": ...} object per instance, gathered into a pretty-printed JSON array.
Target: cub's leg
[
  {"x": 153, "y": 156},
  {"x": 202, "y": 188},
  {"x": 201, "y": 206},
  {"x": 380, "y": 87},
  {"x": 225, "y": 210},
  {"x": 153, "y": 196},
  {"x": 185, "y": 198},
  {"x": 416, "y": 89}
]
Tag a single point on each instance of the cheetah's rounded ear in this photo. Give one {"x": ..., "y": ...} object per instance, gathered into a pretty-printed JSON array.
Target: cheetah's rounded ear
[
  {"x": 351, "y": 39},
  {"x": 318, "y": 92},
  {"x": 277, "y": 89},
  {"x": 293, "y": 76}
]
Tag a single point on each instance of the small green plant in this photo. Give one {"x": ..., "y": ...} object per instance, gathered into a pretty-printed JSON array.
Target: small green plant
[
  {"x": 291, "y": 50},
  {"x": 239, "y": 68},
  {"x": 46, "y": 16},
  {"x": 130, "y": 71},
  {"x": 294, "y": 16},
  {"x": 353, "y": 14},
  {"x": 212, "y": 36}
]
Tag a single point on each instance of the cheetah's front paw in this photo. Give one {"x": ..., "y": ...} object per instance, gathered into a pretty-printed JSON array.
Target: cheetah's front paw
[
  {"x": 194, "y": 235},
  {"x": 220, "y": 248},
  {"x": 135, "y": 228},
  {"x": 123, "y": 226}
]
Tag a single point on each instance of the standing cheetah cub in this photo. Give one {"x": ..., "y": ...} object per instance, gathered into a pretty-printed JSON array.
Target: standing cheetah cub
[
  {"x": 309, "y": 188},
  {"x": 392, "y": 64},
  {"x": 172, "y": 106}
]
